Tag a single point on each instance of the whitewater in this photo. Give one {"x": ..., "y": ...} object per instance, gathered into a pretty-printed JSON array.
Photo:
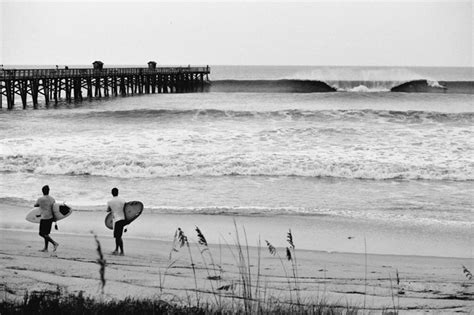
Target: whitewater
[{"x": 294, "y": 142}]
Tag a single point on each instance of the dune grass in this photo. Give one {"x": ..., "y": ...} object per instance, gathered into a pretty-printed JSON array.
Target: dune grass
[
  {"x": 56, "y": 302},
  {"x": 247, "y": 294}
]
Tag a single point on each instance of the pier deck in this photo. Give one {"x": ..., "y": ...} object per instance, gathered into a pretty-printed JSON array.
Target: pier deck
[{"x": 79, "y": 83}]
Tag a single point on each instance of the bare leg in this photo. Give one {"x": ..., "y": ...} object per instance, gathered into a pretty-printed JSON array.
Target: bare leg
[
  {"x": 118, "y": 230},
  {"x": 121, "y": 246},
  {"x": 45, "y": 248},
  {"x": 47, "y": 239},
  {"x": 115, "y": 252}
]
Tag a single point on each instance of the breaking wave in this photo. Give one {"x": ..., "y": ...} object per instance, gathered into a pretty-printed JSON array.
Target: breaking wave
[
  {"x": 228, "y": 164},
  {"x": 270, "y": 86},
  {"x": 426, "y": 86},
  {"x": 315, "y": 86}
]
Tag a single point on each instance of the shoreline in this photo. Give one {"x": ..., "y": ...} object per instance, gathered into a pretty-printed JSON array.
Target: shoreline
[{"x": 314, "y": 233}]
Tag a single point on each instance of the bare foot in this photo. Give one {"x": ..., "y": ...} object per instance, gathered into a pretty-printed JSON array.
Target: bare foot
[
  {"x": 114, "y": 252},
  {"x": 121, "y": 254},
  {"x": 43, "y": 250},
  {"x": 55, "y": 247}
]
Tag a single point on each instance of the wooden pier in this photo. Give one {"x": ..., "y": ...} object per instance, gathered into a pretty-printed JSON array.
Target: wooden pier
[{"x": 79, "y": 83}]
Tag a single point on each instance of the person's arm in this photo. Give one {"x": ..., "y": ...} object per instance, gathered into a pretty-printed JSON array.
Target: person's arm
[{"x": 37, "y": 205}]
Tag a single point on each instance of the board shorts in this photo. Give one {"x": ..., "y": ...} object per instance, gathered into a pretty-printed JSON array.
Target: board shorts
[
  {"x": 45, "y": 226},
  {"x": 118, "y": 228}
]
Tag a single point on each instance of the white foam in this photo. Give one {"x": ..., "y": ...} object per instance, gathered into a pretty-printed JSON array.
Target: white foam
[
  {"x": 435, "y": 84},
  {"x": 361, "y": 163},
  {"x": 365, "y": 89}
]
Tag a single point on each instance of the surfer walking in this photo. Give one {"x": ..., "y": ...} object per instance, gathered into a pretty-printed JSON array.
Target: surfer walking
[
  {"x": 45, "y": 203},
  {"x": 116, "y": 205}
]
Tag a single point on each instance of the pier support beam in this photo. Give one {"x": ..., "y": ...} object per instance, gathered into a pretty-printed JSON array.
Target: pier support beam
[
  {"x": 34, "y": 92},
  {"x": 46, "y": 91},
  {"x": 23, "y": 87},
  {"x": 10, "y": 95}
]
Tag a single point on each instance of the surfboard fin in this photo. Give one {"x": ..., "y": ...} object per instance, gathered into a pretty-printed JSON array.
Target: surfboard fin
[{"x": 56, "y": 226}]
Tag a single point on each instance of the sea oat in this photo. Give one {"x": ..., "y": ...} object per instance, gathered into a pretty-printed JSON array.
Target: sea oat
[
  {"x": 201, "y": 239},
  {"x": 271, "y": 248},
  {"x": 274, "y": 252},
  {"x": 294, "y": 265},
  {"x": 467, "y": 273},
  {"x": 289, "y": 238},
  {"x": 182, "y": 239}
]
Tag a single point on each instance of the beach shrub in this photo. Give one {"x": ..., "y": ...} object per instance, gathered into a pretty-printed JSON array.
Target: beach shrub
[
  {"x": 58, "y": 303},
  {"x": 51, "y": 303}
]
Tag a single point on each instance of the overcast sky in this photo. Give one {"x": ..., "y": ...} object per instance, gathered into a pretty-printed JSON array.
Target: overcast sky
[{"x": 403, "y": 33}]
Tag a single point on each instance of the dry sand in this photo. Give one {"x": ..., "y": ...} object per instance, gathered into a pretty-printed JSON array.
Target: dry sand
[{"x": 427, "y": 284}]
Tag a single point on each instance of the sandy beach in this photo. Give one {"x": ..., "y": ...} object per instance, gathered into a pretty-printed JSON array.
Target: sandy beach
[{"x": 426, "y": 284}]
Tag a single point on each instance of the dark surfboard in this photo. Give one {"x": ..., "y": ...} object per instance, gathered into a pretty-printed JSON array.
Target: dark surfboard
[{"x": 132, "y": 210}]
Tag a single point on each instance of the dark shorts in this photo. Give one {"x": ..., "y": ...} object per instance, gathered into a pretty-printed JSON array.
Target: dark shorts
[
  {"x": 45, "y": 226},
  {"x": 118, "y": 228}
]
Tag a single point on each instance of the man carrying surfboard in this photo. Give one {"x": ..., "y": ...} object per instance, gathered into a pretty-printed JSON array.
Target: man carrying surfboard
[
  {"x": 45, "y": 203},
  {"x": 116, "y": 205}
]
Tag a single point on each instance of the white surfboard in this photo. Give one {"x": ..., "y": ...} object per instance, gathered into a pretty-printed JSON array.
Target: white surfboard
[{"x": 60, "y": 211}]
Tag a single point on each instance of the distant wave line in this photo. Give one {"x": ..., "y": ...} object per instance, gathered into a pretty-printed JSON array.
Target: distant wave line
[
  {"x": 411, "y": 116},
  {"x": 321, "y": 86}
]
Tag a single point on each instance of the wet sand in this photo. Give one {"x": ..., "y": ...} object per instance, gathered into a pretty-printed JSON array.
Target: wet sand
[{"x": 431, "y": 284}]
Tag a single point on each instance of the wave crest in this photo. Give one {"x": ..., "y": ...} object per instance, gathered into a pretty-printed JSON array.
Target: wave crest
[{"x": 256, "y": 164}]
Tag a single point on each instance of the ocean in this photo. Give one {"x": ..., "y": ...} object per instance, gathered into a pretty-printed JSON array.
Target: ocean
[{"x": 361, "y": 159}]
